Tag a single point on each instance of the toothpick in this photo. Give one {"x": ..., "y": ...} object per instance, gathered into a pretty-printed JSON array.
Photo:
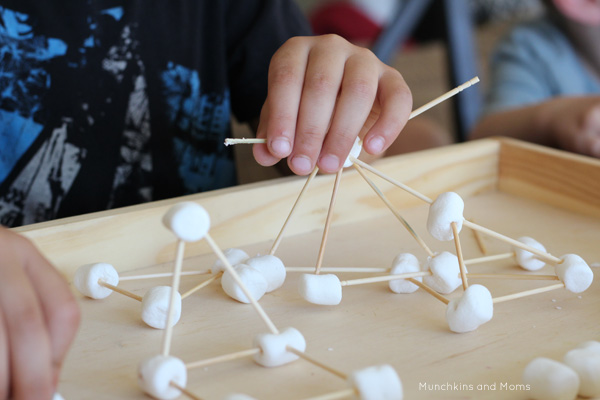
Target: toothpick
[
  {"x": 459, "y": 255},
  {"x": 119, "y": 290},
  {"x": 385, "y": 278},
  {"x": 516, "y": 277},
  {"x": 166, "y": 346},
  {"x": 163, "y": 275},
  {"x": 185, "y": 391},
  {"x": 391, "y": 180},
  {"x": 336, "y": 185},
  {"x": 393, "y": 210},
  {"x": 339, "y": 269},
  {"x": 340, "y": 394},
  {"x": 317, "y": 363},
  {"x": 429, "y": 290},
  {"x": 280, "y": 235},
  {"x": 545, "y": 256},
  {"x": 261, "y": 312},
  {"x": 479, "y": 240},
  {"x": 495, "y": 257},
  {"x": 224, "y": 358},
  {"x": 201, "y": 285},
  {"x": 528, "y": 293},
  {"x": 230, "y": 141}
]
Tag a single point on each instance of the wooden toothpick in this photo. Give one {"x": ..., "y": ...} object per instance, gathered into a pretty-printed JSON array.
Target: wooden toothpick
[
  {"x": 394, "y": 211},
  {"x": 515, "y": 277},
  {"x": 336, "y": 185},
  {"x": 495, "y": 257},
  {"x": 479, "y": 240},
  {"x": 119, "y": 290},
  {"x": 339, "y": 269},
  {"x": 526, "y": 293},
  {"x": 220, "y": 359},
  {"x": 185, "y": 391},
  {"x": 259, "y": 310},
  {"x": 280, "y": 235},
  {"x": 163, "y": 275},
  {"x": 340, "y": 394},
  {"x": 541, "y": 254},
  {"x": 201, "y": 285},
  {"x": 166, "y": 345},
  {"x": 230, "y": 141},
  {"x": 385, "y": 278},
  {"x": 459, "y": 255},
  {"x": 319, "y": 364},
  {"x": 429, "y": 290}
]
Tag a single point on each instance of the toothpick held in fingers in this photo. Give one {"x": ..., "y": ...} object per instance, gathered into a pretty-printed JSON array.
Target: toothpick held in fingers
[{"x": 232, "y": 141}]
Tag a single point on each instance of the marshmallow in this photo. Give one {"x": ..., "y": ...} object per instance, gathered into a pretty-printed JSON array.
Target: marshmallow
[
  {"x": 155, "y": 375},
  {"x": 526, "y": 259},
  {"x": 354, "y": 152},
  {"x": 377, "y": 383},
  {"x": 273, "y": 352},
  {"x": 550, "y": 380},
  {"x": 474, "y": 308},
  {"x": 189, "y": 221},
  {"x": 271, "y": 268},
  {"x": 238, "y": 396},
  {"x": 586, "y": 363},
  {"x": 155, "y": 307},
  {"x": 446, "y": 273},
  {"x": 87, "y": 276},
  {"x": 590, "y": 345},
  {"x": 574, "y": 272},
  {"x": 402, "y": 264},
  {"x": 447, "y": 208},
  {"x": 320, "y": 289},
  {"x": 234, "y": 256},
  {"x": 252, "y": 279},
  {"x": 57, "y": 396}
]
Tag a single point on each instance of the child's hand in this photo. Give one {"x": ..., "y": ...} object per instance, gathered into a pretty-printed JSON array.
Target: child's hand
[
  {"x": 38, "y": 320},
  {"x": 575, "y": 123},
  {"x": 322, "y": 91}
]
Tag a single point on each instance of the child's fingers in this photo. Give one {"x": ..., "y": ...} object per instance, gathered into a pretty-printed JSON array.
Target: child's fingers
[{"x": 5, "y": 374}]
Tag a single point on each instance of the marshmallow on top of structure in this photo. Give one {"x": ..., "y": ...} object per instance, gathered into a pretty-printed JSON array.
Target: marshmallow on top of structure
[
  {"x": 271, "y": 268},
  {"x": 474, "y": 308},
  {"x": 156, "y": 373},
  {"x": 574, "y": 272},
  {"x": 586, "y": 363},
  {"x": 526, "y": 259},
  {"x": 234, "y": 256},
  {"x": 447, "y": 208},
  {"x": 445, "y": 271},
  {"x": 155, "y": 307},
  {"x": 320, "y": 289},
  {"x": 273, "y": 347},
  {"x": 87, "y": 276},
  {"x": 377, "y": 383},
  {"x": 550, "y": 380},
  {"x": 252, "y": 279},
  {"x": 402, "y": 264},
  {"x": 354, "y": 152},
  {"x": 189, "y": 221}
]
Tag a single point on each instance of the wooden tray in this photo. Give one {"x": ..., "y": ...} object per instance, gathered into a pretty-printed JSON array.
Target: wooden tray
[{"x": 512, "y": 187}]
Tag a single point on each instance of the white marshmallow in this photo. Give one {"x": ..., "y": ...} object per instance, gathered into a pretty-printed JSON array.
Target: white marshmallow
[
  {"x": 189, "y": 221},
  {"x": 87, "y": 276},
  {"x": 155, "y": 307},
  {"x": 447, "y": 208},
  {"x": 273, "y": 352},
  {"x": 587, "y": 365},
  {"x": 402, "y": 264},
  {"x": 156, "y": 373},
  {"x": 271, "y": 268},
  {"x": 474, "y": 308},
  {"x": 550, "y": 380},
  {"x": 526, "y": 259},
  {"x": 377, "y": 383},
  {"x": 234, "y": 256},
  {"x": 575, "y": 273},
  {"x": 252, "y": 279},
  {"x": 57, "y": 396},
  {"x": 320, "y": 289},
  {"x": 354, "y": 152},
  {"x": 446, "y": 273},
  {"x": 590, "y": 345},
  {"x": 238, "y": 396}
]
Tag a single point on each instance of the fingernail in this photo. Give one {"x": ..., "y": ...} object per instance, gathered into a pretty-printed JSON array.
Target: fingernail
[
  {"x": 281, "y": 147},
  {"x": 329, "y": 162},
  {"x": 376, "y": 144},
  {"x": 301, "y": 164}
]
